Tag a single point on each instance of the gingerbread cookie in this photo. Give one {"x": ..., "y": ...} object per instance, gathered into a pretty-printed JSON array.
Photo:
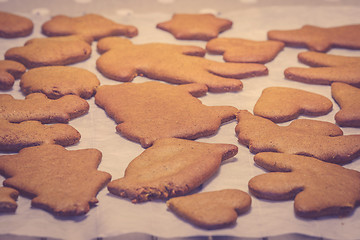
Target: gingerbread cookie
[
  {"x": 13, "y": 26},
  {"x": 40, "y": 52},
  {"x": 9, "y": 71},
  {"x": 211, "y": 210},
  {"x": 325, "y": 69},
  {"x": 195, "y": 26},
  {"x": 281, "y": 104},
  {"x": 243, "y": 50},
  {"x": 318, "y": 188},
  {"x": 37, "y": 106},
  {"x": 8, "y": 197},
  {"x": 178, "y": 64},
  {"x": 171, "y": 167},
  {"x": 15, "y": 136},
  {"x": 91, "y": 26},
  {"x": 148, "y": 111},
  {"x": 57, "y": 81},
  {"x": 60, "y": 181},
  {"x": 348, "y": 98},
  {"x": 318, "y": 38},
  {"x": 319, "y": 139}
]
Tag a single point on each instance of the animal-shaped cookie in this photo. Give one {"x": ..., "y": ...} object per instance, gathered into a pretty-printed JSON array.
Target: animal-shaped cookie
[
  {"x": 8, "y": 197},
  {"x": 171, "y": 167},
  {"x": 348, "y": 98},
  {"x": 148, "y": 111},
  {"x": 91, "y": 26},
  {"x": 15, "y": 136},
  {"x": 37, "y": 106},
  {"x": 244, "y": 50},
  {"x": 52, "y": 51},
  {"x": 9, "y": 71},
  {"x": 57, "y": 81},
  {"x": 63, "y": 182},
  {"x": 195, "y": 26},
  {"x": 211, "y": 210},
  {"x": 318, "y": 188},
  {"x": 281, "y": 104},
  {"x": 319, "y": 139},
  {"x": 13, "y": 25},
  {"x": 325, "y": 69},
  {"x": 319, "y": 39},
  {"x": 122, "y": 61}
]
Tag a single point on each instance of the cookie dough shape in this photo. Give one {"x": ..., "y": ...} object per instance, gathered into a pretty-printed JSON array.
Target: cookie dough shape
[
  {"x": 58, "y": 81},
  {"x": 37, "y": 106},
  {"x": 13, "y": 25},
  {"x": 15, "y": 136},
  {"x": 152, "y": 110},
  {"x": 318, "y": 139},
  {"x": 9, "y": 71},
  {"x": 211, "y": 210},
  {"x": 245, "y": 51},
  {"x": 171, "y": 167},
  {"x": 325, "y": 69},
  {"x": 8, "y": 197},
  {"x": 348, "y": 98},
  {"x": 91, "y": 26},
  {"x": 122, "y": 61},
  {"x": 318, "y": 38},
  {"x": 195, "y": 26},
  {"x": 63, "y": 182},
  {"x": 318, "y": 188},
  {"x": 52, "y": 51},
  {"x": 281, "y": 104}
]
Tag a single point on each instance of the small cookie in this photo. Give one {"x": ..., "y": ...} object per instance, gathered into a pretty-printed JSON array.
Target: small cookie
[
  {"x": 91, "y": 26},
  {"x": 322, "y": 140},
  {"x": 318, "y": 188},
  {"x": 9, "y": 71},
  {"x": 13, "y": 26},
  {"x": 281, "y": 104},
  {"x": 37, "y": 106},
  {"x": 245, "y": 51},
  {"x": 58, "y": 81},
  {"x": 152, "y": 110},
  {"x": 348, "y": 98},
  {"x": 318, "y": 38},
  {"x": 60, "y": 181},
  {"x": 8, "y": 197},
  {"x": 211, "y": 210},
  {"x": 195, "y": 26},
  {"x": 15, "y": 136},
  {"x": 325, "y": 69},
  {"x": 171, "y": 167},
  {"x": 52, "y": 51},
  {"x": 122, "y": 61}
]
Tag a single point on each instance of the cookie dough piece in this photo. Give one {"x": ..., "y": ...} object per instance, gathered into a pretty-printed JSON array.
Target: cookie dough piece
[
  {"x": 318, "y": 188},
  {"x": 8, "y": 197},
  {"x": 13, "y": 25},
  {"x": 9, "y": 71},
  {"x": 211, "y": 210},
  {"x": 171, "y": 167}
]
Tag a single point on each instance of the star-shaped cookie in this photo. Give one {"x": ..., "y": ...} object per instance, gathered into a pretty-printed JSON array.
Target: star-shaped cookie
[{"x": 9, "y": 71}]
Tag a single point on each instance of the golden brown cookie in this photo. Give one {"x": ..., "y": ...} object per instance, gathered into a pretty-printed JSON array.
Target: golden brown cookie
[
  {"x": 122, "y": 61},
  {"x": 8, "y": 197},
  {"x": 91, "y": 26},
  {"x": 58, "y": 81},
  {"x": 171, "y": 167},
  {"x": 319, "y": 139},
  {"x": 318, "y": 188},
  {"x": 319, "y": 39},
  {"x": 9, "y": 71},
  {"x": 348, "y": 98},
  {"x": 195, "y": 26},
  {"x": 244, "y": 50},
  {"x": 281, "y": 104},
  {"x": 211, "y": 210},
  {"x": 13, "y": 25},
  {"x": 152, "y": 110},
  {"x": 37, "y": 106},
  {"x": 63, "y": 182}
]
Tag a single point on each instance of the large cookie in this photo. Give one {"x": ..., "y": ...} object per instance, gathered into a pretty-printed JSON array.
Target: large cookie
[
  {"x": 8, "y": 197},
  {"x": 148, "y": 111},
  {"x": 9, "y": 71},
  {"x": 13, "y": 25},
  {"x": 171, "y": 167}
]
